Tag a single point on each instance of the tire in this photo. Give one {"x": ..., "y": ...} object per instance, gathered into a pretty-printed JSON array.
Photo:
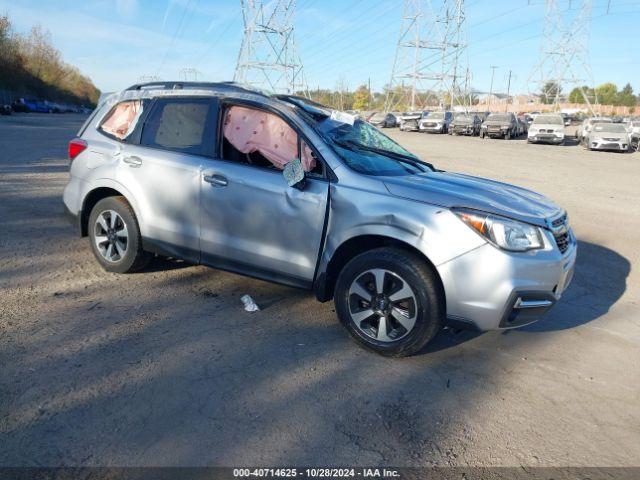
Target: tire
[
  {"x": 399, "y": 269},
  {"x": 507, "y": 136},
  {"x": 118, "y": 248}
]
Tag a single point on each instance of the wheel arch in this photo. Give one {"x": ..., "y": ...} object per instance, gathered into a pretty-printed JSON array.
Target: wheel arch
[
  {"x": 94, "y": 196},
  {"x": 326, "y": 281}
]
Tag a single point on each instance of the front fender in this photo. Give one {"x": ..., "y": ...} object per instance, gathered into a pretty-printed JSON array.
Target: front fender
[{"x": 433, "y": 230}]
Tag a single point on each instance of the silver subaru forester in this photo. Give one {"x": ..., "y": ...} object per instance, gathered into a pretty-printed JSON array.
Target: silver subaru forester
[{"x": 280, "y": 188}]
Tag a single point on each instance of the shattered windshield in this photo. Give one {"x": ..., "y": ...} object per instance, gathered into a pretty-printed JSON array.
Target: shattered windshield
[
  {"x": 436, "y": 116},
  {"x": 464, "y": 118},
  {"x": 367, "y": 150}
]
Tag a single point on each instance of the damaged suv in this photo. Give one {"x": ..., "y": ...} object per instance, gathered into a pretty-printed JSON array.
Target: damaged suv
[{"x": 286, "y": 190}]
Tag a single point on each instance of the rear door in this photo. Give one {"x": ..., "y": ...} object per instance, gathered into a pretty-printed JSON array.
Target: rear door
[{"x": 163, "y": 172}]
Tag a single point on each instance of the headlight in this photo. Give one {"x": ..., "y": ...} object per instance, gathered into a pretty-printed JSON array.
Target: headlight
[{"x": 503, "y": 232}]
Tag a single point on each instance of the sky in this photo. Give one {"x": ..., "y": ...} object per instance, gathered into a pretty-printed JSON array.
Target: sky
[{"x": 117, "y": 42}]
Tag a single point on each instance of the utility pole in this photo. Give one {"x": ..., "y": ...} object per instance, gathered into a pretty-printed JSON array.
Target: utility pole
[
  {"x": 493, "y": 72},
  {"x": 429, "y": 54},
  {"x": 268, "y": 57},
  {"x": 563, "y": 60},
  {"x": 508, "y": 91}
]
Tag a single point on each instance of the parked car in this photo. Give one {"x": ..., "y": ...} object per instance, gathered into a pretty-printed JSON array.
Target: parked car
[
  {"x": 190, "y": 170},
  {"x": 465, "y": 124},
  {"x": 409, "y": 122},
  {"x": 587, "y": 125},
  {"x": 500, "y": 125},
  {"x": 607, "y": 136},
  {"x": 523, "y": 127},
  {"x": 634, "y": 142},
  {"x": 633, "y": 126},
  {"x": 547, "y": 128},
  {"x": 436, "y": 122},
  {"x": 383, "y": 120},
  {"x": 566, "y": 119}
]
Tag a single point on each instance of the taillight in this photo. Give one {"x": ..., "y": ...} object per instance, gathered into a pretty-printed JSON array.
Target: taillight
[{"x": 76, "y": 147}]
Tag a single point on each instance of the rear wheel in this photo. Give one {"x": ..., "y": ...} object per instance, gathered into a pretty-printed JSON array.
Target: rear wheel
[
  {"x": 390, "y": 301},
  {"x": 115, "y": 236}
]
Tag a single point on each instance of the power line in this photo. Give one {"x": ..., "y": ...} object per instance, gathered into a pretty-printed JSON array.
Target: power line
[{"x": 175, "y": 35}]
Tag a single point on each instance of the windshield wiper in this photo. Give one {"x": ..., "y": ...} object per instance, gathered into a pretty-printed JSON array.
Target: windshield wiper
[{"x": 388, "y": 153}]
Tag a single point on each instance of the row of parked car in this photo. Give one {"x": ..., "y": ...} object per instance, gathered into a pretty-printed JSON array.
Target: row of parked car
[
  {"x": 595, "y": 133},
  {"x": 24, "y": 105}
]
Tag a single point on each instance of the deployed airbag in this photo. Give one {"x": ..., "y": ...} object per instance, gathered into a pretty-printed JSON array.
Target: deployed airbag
[
  {"x": 123, "y": 118},
  {"x": 250, "y": 130}
]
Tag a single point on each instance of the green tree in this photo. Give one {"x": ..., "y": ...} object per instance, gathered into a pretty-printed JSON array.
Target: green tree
[
  {"x": 550, "y": 91},
  {"x": 607, "y": 93},
  {"x": 626, "y": 96},
  {"x": 361, "y": 98},
  {"x": 576, "y": 95}
]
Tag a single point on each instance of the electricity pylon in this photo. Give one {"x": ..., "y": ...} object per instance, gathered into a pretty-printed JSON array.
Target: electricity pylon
[
  {"x": 428, "y": 66},
  {"x": 268, "y": 57},
  {"x": 564, "y": 52},
  {"x": 190, "y": 74}
]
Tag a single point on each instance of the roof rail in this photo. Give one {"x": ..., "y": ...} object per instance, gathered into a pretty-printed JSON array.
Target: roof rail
[{"x": 177, "y": 85}]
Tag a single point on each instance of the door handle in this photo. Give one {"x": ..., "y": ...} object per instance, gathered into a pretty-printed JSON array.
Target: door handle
[
  {"x": 132, "y": 161},
  {"x": 216, "y": 180}
]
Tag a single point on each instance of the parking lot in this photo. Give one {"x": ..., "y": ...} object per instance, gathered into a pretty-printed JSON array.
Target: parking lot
[{"x": 165, "y": 367}]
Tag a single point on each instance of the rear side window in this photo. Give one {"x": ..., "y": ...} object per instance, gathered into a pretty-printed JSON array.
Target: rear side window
[
  {"x": 121, "y": 120},
  {"x": 181, "y": 125}
]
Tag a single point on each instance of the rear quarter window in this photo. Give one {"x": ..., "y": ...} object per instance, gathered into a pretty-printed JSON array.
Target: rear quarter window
[
  {"x": 122, "y": 119},
  {"x": 182, "y": 125}
]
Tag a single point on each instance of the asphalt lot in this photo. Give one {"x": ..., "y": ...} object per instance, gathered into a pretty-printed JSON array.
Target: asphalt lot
[{"x": 166, "y": 368}]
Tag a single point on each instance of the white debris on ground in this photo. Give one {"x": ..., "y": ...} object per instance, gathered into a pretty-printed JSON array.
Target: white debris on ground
[{"x": 249, "y": 304}]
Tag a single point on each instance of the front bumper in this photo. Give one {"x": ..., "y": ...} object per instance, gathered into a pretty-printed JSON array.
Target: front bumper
[
  {"x": 610, "y": 146},
  {"x": 488, "y": 288},
  {"x": 496, "y": 133},
  {"x": 545, "y": 138},
  {"x": 462, "y": 130},
  {"x": 431, "y": 129},
  {"x": 410, "y": 126}
]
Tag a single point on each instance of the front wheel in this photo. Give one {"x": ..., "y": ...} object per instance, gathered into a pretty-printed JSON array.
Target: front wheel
[
  {"x": 115, "y": 236},
  {"x": 390, "y": 301}
]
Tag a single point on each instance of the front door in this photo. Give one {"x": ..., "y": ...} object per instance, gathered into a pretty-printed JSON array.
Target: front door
[{"x": 252, "y": 221}]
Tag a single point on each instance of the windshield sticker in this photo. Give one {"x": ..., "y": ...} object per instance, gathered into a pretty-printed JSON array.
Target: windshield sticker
[{"x": 343, "y": 117}]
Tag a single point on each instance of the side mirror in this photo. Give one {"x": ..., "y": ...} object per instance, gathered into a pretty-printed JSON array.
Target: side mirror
[{"x": 294, "y": 174}]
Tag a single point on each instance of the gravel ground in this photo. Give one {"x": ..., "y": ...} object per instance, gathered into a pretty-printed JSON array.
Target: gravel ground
[{"x": 165, "y": 367}]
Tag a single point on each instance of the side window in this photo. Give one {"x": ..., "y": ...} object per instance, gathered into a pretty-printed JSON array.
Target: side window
[
  {"x": 179, "y": 125},
  {"x": 122, "y": 119},
  {"x": 263, "y": 139}
]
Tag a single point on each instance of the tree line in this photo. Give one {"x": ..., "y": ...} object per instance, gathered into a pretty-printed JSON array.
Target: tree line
[
  {"x": 605, "y": 94},
  {"x": 31, "y": 65}
]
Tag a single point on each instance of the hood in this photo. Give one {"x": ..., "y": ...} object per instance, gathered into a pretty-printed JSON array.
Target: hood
[
  {"x": 618, "y": 136},
  {"x": 457, "y": 190},
  {"x": 547, "y": 126},
  {"x": 411, "y": 117},
  {"x": 462, "y": 121}
]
